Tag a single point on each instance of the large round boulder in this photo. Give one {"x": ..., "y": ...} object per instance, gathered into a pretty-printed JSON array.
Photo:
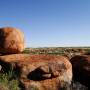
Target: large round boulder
[
  {"x": 44, "y": 72},
  {"x": 81, "y": 69},
  {"x": 11, "y": 40}
]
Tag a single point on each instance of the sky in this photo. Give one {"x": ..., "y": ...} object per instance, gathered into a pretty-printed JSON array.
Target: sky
[{"x": 49, "y": 23}]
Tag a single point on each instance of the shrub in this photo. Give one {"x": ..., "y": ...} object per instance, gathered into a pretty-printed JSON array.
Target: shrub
[{"x": 6, "y": 83}]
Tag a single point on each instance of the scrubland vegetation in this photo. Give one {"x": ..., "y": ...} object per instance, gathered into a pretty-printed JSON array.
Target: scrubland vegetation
[
  {"x": 66, "y": 51},
  {"x": 8, "y": 82}
]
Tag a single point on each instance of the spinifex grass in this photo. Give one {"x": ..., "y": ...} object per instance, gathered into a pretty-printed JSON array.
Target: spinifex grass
[{"x": 7, "y": 82}]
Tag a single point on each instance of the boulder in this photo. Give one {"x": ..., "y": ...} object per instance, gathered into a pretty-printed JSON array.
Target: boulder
[
  {"x": 81, "y": 69},
  {"x": 40, "y": 71},
  {"x": 11, "y": 40}
]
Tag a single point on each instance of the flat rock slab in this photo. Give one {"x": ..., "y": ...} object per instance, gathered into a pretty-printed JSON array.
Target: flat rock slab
[{"x": 39, "y": 69}]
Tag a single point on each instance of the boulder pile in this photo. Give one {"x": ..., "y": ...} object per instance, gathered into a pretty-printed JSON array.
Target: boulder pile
[
  {"x": 35, "y": 72},
  {"x": 40, "y": 71}
]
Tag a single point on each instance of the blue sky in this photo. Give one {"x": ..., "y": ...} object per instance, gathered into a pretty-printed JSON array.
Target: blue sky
[{"x": 49, "y": 22}]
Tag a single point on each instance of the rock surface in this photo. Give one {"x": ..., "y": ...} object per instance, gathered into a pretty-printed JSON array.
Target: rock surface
[
  {"x": 44, "y": 72},
  {"x": 81, "y": 69},
  {"x": 11, "y": 40}
]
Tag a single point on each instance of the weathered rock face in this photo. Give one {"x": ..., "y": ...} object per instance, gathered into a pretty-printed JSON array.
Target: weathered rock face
[
  {"x": 11, "y": 40},
  {"x": 47, "y": 84},
  {"x": 81, "y": 69},
  {"x": 39, "y": 71}
]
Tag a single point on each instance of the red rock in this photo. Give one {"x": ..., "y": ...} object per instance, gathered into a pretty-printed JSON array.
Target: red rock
[
  {"x": 11, "y": 40},
  {"x": 48, "y": 71},
  {"x": 47, "y": 84},
  {"x": 81, "y": 69}
]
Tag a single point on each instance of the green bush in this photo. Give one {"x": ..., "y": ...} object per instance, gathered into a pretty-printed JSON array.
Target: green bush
[{"x": 6, "y": 83}]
